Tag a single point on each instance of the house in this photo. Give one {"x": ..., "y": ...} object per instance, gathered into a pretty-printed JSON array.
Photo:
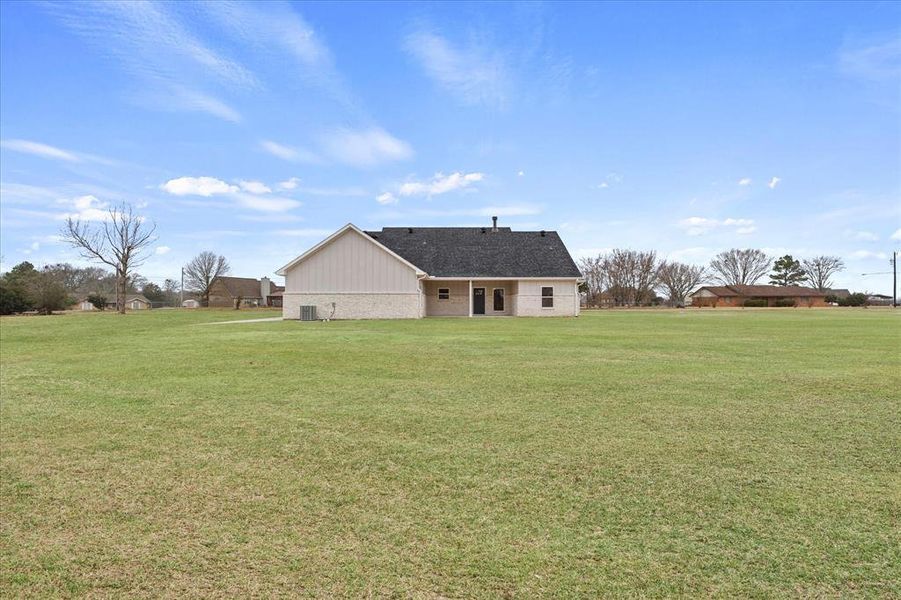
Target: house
[
  {"x": 879, "y": 300},
  {"x": 191, "y": 303},
  {"x": 136, "y": 302},
  {"x": 133, "y": 302},
  {"x": 415, "y": 272},
  {"x": 253, "y": 292},
  {"x": 82, "y": 303},
  {"x": 769, "y": 295}
]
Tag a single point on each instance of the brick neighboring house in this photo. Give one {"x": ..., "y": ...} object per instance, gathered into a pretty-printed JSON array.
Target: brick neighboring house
[
  {"x": 737, "y": 295},
  {"x": 252, "y": 292}
]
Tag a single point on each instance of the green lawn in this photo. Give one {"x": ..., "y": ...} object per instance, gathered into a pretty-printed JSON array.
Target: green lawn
[{"x": 700, "y": 453}]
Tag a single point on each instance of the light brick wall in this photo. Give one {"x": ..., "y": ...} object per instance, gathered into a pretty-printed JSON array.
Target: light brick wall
[
  {"x": 566, "y": 299},
  {"x": 455, "y": 306},
  {"x": 354, "y": 305}
]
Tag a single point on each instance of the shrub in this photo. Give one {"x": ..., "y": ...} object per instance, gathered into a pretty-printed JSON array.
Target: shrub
[
  {"x": 12, "y": 298},
  {"x": 98, "y": 301},
  {"x": 784, "y": 303},
  {"x": 857, "y": 299},
  {"x": 755, "y": 303},
  {"x": 832, "y": 299}
]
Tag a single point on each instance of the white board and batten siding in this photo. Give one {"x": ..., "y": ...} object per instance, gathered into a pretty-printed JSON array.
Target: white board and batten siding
[{"x": 361, "y": 278}]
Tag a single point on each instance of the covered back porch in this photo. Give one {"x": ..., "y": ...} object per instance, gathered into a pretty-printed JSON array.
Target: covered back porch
[{"x": 458, "y": 297}]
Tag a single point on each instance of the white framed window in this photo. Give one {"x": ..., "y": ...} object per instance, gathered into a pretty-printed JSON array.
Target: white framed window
[
  {"x": 444, "y": 293},
  {"x": 547, "y": 297},
  {"x": 498, "y": 299}
]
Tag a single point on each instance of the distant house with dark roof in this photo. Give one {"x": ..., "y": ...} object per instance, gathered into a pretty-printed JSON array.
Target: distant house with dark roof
[
  {"x": 769, "y": 295},
  {"x": 414, "y": 272},
  {"x": 225, "y": 291}
]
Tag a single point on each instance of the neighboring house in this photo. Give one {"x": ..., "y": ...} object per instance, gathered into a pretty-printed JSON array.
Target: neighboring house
[
  {"x": 190, "y": 303},
  {"x": 879, "y": 300},
  {"x": 133, "y": 302},
  {"x": 252, "y": 292},
  {"x": 414, "y": 272},
  {"x": 83, "y": 304},
  {"x": 773, "y": 295},
  {"x": 136, "y": 302}
]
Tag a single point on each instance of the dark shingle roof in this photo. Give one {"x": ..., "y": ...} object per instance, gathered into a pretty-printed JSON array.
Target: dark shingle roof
[
  {"x": 245, "y": 287},
  {"x": 480, "y": 252}
]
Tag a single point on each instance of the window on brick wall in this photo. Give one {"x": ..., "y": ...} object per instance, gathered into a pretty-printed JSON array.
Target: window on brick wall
[{"x": 547, "y": 297}]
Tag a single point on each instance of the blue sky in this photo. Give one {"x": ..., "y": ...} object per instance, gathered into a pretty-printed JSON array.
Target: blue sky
[{"x": 254, "y": 130}]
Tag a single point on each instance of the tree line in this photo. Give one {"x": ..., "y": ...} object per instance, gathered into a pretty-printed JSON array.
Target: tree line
[
  {"x": 633, "y": 277},
  {"x": 59, "y": 286},
  {"x": 121, "y": 242}
]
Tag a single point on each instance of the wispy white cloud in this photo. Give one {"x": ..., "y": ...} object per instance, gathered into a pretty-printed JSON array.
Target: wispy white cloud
[
  {"x": 39, "y": 149},
  {"x": 386, "y": 198},
  {"x": 472, "y": 74},
  {"x": 198, "y": 186},
  {"x": 872, "y": 60},
  {"x": 277, "y": 30},
  {"x": 773, "y": 183},
  {"x": 744, "y": 181},
  {"x": 86, "y": 208},
  {"x": 53, "y": 153},
  {"x": 521, "y": 173},
  {"x": 152, "y": 43},
  {"x": 289, "y": 184},
  {"x": 160, "y": 250},
  {"x": 440, "y": 184},
  {"x": 207, "y": 187},
  {"x": 254, "y": 187},
  {"x": 290, "y": 153},
  {"x": 365, "y": 147},
  {"x": 896, "y": 235},
  {"x": 695, "y": 226}
]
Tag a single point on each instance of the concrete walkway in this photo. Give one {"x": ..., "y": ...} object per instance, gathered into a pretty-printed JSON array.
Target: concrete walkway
[{"x": 266, "y": 320}]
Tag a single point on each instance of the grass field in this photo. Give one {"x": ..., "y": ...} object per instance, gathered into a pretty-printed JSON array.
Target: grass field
[{"x": 657, "y": 453}]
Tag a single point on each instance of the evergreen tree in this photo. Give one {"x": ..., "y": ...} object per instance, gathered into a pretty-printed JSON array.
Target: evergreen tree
[{"x": 787, "y": 271}]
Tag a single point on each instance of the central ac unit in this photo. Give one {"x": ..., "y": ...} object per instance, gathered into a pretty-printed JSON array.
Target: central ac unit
[{"x": 307, "y": 313}]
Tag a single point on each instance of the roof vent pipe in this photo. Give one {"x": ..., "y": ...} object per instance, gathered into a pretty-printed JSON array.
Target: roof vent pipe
[
  {"x": 409, "y": 230},
  {"x": 494, "y": 226},
  {"x": 543, "y": 233}
]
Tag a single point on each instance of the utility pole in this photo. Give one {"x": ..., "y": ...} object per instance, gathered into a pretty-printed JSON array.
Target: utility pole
[
  {"x": 181, "y": 296},
  {"x": 895, "y": 279}
]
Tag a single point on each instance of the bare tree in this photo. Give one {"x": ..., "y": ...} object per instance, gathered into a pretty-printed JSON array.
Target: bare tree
[
  {"x": 202, "y": 271},
  {"x": 820, "y": 270},
  {"x": 740, "y": 267},
  {"x": 595, "y": 275},
  {"x": 677, "y": 280},
  {"x": 119, "y": 241},
  {"x": 632, "y": 276}
]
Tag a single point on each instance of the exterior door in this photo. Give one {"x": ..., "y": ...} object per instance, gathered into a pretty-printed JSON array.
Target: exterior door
[{"x": 478, "y": 301}]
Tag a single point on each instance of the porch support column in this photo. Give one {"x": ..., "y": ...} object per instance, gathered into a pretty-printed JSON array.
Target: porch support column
[{"x": 470, "y": 297}]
